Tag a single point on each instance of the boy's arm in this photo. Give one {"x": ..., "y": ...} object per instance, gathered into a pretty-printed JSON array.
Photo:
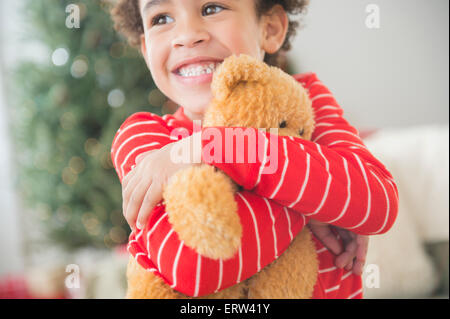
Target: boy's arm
[
  {"x": 332, "y": 179},
  {"x": 140, "y": 133}
]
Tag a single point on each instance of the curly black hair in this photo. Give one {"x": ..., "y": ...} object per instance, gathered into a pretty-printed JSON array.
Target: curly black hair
[{"x": 127, "y": 20}]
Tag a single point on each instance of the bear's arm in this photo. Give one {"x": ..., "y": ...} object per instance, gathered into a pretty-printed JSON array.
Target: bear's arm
[{"x": 333, "y": 178}]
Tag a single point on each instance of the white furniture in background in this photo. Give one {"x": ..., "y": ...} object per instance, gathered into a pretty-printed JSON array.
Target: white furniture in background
[{"x": 418, "y": 159}]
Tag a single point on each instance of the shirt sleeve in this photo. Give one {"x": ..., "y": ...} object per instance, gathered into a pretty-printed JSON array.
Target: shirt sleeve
[
  {"x": 333, "y": 178},
  {"x": 140, "y": 133}
]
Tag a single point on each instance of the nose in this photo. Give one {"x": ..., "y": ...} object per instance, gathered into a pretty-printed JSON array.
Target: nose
[{"x": 190, "y": 33}]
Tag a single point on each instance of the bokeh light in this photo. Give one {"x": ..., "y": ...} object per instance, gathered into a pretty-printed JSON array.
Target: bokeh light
[{"x": 60, "y": 56}]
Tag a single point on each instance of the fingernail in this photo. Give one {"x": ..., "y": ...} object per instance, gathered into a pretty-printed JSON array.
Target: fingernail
[{"x": 139, "y": 225}]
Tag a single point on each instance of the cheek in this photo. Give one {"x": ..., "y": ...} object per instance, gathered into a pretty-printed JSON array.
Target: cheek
[
  {"x": 239, "y": 38},
  {"x": 156, "y": 56}
]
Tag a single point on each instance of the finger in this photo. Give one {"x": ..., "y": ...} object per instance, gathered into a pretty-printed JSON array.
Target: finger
[
  {"x": 349, "y": 266},
  {"x": 327, "y": 237},
  {"x": 140, "y": 157},
  {"x": 361, "y": 253},
  {"x": 358, "y": 267},
  {"x": 127, "y": 178},
  {"x": 135, "y": 202},
  {"x": 344, "y": 234},
  {"x": 347, "y": 256},
  {"x": 316, "y": 222},
  {"x": 151, "y": 198},
  {"x": 129, "y": 189},
  {"x": 363, "y": 246}
]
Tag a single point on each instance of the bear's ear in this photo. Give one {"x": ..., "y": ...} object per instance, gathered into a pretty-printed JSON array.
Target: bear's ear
[{"x": 237, "y": 69}]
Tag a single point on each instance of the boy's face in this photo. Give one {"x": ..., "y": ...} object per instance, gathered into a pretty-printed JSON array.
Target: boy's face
[{"x": 198, "y": 34}]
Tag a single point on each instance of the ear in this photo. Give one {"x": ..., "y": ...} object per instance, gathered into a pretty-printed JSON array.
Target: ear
[
  {"x": 237, "y": 69},
  {"x": 144, "y": 50},
  {"x": 275, "y": 27}
]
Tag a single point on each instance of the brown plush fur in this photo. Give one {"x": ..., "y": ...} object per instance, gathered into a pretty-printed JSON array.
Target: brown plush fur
[
  {"x": 200, "y": 200},
  {"x": 221, "y": 236}
]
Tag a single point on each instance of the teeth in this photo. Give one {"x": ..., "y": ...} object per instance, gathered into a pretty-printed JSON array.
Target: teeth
[{"x": 196, "y": 71}]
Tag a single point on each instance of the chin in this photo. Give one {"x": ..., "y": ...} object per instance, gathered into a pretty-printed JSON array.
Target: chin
[{"x": 197, "y": 106}]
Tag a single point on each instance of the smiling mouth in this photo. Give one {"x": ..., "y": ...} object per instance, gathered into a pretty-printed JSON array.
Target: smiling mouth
[{"x": 197, "y": 69}]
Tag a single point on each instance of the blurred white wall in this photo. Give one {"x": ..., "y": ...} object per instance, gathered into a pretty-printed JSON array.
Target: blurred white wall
[{"x": 397, "y": 75}]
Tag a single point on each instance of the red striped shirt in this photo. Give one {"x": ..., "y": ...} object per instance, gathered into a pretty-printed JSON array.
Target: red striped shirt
[{"x": 332, "y": 178}]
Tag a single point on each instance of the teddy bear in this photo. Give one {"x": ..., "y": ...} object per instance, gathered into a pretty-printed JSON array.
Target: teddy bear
[{"x": 200, "y": 200}]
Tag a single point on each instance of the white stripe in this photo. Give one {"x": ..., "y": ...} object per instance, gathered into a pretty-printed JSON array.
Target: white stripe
[
  {"x": 327, "y": 107},
  {"x": 197, "y": 275},
  {"x": 319, "y": 96},
  {"x": 336, "y": 131},
  {"x": 326, "y": 117},
  {"x": 321, "y": 250},
  {"x": 305, "y": 181},
  {"x": 139, "y": 235},
  {"x": 346, "y": 275},
  {"x": 240, "y": 265},
  {"x": 131, "y": 138},
  {"x": 129, "y": 245},
  {"x": 175, "y": 265},
  {"x": 394, "y": 190},
  {"x": 283, "y": 174},
  {"x": 321, "y": 271},
  {"x": 274, "y": 232},
  {"x": 304, "y": 219},
  {"x": 263, "y": 163},
  {"x": 369, "y": 196},
  {"x": 387, "y": 204},
  {"x": 256, "y": 230},
  {"x": 317, "y": 83},
  {"x": 332, "y": 289},
  {"x": 162, "y": 247},
  {"x": 219, "y": 284},
  {"x": 151, "y": 231},
  {"x": 324, "y": 124},
  {"x": 139, "y": 254},
  {"x": 327, "y": 188},
  {"x": 355, "y": 294},
  {"x": 349, "y": 193},
  {"x": 348, "y": 142},
  {"x": 142, "y": 254},
  {"x": 134, "y": 125},
  {"x": 133, "y": 151},
  {"x": 291, "y": 236}
]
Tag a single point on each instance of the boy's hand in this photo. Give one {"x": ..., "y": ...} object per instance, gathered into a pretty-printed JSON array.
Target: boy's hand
[
  {"x": 142, "y": 187},
  {"x": 353, "y": 255}
]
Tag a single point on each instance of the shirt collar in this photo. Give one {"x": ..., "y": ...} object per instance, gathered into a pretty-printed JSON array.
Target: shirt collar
[{"x": 182, "y": 119}]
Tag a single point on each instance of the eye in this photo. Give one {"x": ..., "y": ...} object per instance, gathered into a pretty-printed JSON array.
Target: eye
[
  {"x": 205, "y": 8},
  {"x": 301, "y": 132},
  {"x": 158, "y": 18},
  {"x": 283, "y": 124}
]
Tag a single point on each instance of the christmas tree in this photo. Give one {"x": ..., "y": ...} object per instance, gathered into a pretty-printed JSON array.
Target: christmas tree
[{"x": 65, "y": 115}]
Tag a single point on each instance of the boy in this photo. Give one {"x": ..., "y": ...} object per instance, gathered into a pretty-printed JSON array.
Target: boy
[{"x": 182, "y": 42}]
